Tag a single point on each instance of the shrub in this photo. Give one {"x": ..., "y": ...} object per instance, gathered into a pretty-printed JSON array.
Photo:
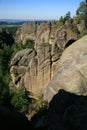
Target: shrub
[
  {"x": 19, "y": 46},
  {"x": 20, "y": 99},
  {"x": 41, "y": 104}
]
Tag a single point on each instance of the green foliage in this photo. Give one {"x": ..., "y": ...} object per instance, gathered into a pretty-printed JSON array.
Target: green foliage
[
  {"x": 41, "y": 104},
  {"x": 19, "y": 46},
  {"x": 12, "y": 29},
  {"x": 4, "y": 93},
  {"x": 81, "y": 9},
  {"x": 60, "y": 22},
  {"x": 20, "y": 100},
  {"x": 5, "y": 38},
  {"x": 84, "y": 32},
  {"x": 62, "y": 19},
  {"x": 16, "y": 47},
  {"x": 80, "y": 12},
  {"x": 5, "y": 55},
  {"x": 68, "y": 15},
  {"x": 29, "y": 44}
]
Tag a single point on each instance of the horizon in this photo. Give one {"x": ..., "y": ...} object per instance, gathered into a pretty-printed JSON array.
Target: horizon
[{"x": 37, "y": 9}]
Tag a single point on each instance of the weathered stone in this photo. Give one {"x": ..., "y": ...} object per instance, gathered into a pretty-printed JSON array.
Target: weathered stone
[
  {"x": 43, "y": 33},
  {"x": 27, "y": 31},
  {"x": 71, "y": 72},
  {"x": 22, "y": 57},
  {"x": 41, "y": 64},
  {"x": 68, "y": 32},
  {"x": 32, "y": 70},
  {"x": 66, "y": 111},
  {"x": 47, "y": 32}
]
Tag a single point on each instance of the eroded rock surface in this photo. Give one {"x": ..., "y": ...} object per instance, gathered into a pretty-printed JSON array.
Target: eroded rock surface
[
  {"x": 71, "y": 72},
  {"x": 47, "y": 32},
  {"x": 66, "y": 111},
  {"x": 33, "y": 69}
]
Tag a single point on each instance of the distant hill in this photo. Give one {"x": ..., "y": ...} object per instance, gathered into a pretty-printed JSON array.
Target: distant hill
[
  {"x": 11, "y": 22},
  {"x": 19, "y": 21}
]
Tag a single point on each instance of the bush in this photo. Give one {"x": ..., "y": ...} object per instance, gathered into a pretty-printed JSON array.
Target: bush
[
  {"x": 5, "y": 55},
  {"x": 19, "y": 46},
  {"x": 20, "y": 100},
  {"x": 29, "y": 44},
  {"x": 41, "y": 104}
]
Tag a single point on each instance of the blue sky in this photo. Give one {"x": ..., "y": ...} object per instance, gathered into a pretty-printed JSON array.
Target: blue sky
[{"x": 37, "y": 9}]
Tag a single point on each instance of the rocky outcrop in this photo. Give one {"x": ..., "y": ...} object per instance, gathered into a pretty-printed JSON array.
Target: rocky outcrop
[
  {"x": 27, "y": 31},
  {"x": 47, "y": 32},
  {"x": 66, "y": 111},
  {"x": 33, "y": 69},
  {"x": 67, "y": 33},
  {"x": 71, "y": 72}
]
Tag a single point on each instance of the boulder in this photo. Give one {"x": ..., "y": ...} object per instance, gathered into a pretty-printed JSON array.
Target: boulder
[
  {"x": 71, "y": 73},
  {"x": 66, "y": 111}
]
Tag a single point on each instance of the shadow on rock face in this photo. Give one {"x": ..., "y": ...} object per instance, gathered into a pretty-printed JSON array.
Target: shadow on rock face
[
  {"x": 66, "y": 111},
  {"x": 69, "y": 43},
  {"x": 13, "y": 120}
]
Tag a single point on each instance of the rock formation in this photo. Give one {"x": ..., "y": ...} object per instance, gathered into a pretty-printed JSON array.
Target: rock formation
[
  {"x": 66, "y": 111},
  {"x": 71, "y": 70},
  {"x": 33, "y": 69},
  {"x": 47, "y": 32},
  {"x": 27, "y": 31},
  {"x": 58, "y": 70}
]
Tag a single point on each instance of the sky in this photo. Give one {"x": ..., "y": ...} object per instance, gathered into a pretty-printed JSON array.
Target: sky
[{"x": 37, "y": 9}]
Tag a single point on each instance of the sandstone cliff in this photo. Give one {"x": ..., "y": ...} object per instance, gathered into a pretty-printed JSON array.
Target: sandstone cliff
[
  {"x": 47, "y": 32},
  {"x": 71, "y": 72},
  {"x": 33, "y": 69}
]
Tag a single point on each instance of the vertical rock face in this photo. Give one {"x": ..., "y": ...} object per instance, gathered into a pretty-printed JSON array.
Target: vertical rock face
[
  {"x": 33, "y": 69},
  {"x": 27, "y": 31},
  {"x": 47, "y": 32},
  {"x": 43, "y": 33},
  {"x": 67, "y": 32},
  {"x": 71, "y": 74}
]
